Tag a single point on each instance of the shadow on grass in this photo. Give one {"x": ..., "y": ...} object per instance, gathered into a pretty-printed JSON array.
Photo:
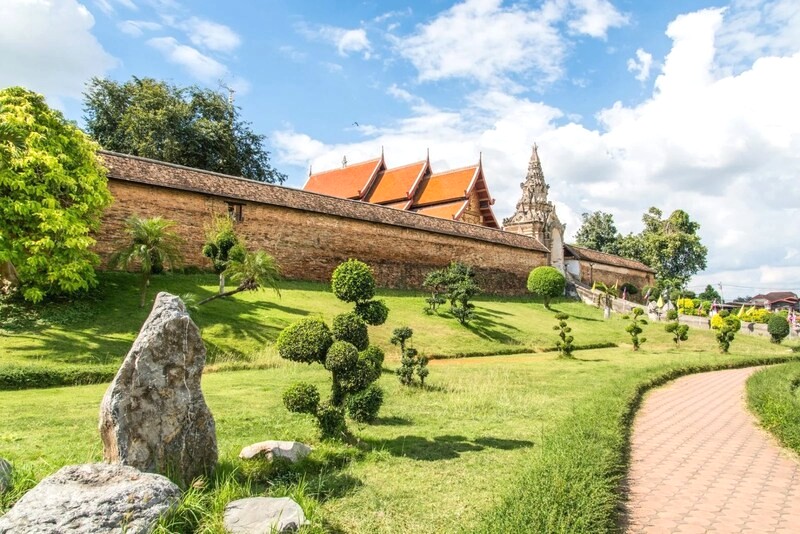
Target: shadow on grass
[
  {"x": 484, "y": 327},
  {"x": 392, "y": 421},
  {"x": 446, "y": 447}
]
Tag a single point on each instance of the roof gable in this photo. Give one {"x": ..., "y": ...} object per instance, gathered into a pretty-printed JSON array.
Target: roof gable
[
  {"x": 446, "y": 186},
  {"x": 398, "y": 183},
  {"x": 351, "y": 181}
]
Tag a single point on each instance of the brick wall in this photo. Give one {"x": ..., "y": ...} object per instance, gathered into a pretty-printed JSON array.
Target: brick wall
[
  {"x": 611, "y": 274},
  {"x": 310, "y": 234}
]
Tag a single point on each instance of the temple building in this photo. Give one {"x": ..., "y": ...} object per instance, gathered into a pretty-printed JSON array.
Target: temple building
[
  {"x": 535, "y": 216},
  {"x": 458, "y": 195}
]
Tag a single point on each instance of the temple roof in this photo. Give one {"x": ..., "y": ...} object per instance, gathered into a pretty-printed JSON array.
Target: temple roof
[
  {"x": 451, "y": 210},
  {"x": 445, "y": 186},
  {"x": 397, "y": 184},
  {"x": 349, "y": 181},
  {"x": 595, "y": 256}
]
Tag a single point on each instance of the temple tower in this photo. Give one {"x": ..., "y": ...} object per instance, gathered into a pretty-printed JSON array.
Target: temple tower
[{"x": 535, "y": 216}]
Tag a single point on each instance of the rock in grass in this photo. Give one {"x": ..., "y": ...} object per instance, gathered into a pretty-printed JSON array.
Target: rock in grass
[
  {"x": 153, "y": 415},
  {"x": 93, "y": 498},
  {"x": 293, "y": 451},
  {"x": 5, "y": 475},
  {"x": 263, "y": 515}
]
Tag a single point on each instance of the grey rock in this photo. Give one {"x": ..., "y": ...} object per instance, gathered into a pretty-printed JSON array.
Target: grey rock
[
  {"x": 153, "y": 415},
  {"x": 93, "y": 498},
  {"x": 263, "y": 515},
  {"x": 292, "y": 451},
  {"x": 5, "y": 475}
]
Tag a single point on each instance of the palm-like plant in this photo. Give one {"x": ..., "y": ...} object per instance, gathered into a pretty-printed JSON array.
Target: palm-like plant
[
  {"x": 253, "y": 271},
  {"x": 606, "y": 296},
  {"x": 151, "y": 245}
]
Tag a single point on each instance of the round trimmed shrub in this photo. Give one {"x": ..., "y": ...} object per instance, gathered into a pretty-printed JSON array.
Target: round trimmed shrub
[
  {"x": 363, "y": 407},
  {"x": 374, "y": 354},
  {"x": 353, "y": 281},
  {"x": 351, "y": 328},
  {"x": 374, "y": 312},
  {"x": 331, "y": 421},
  {"x": 305, "y": 341},
  {"x": 301, "y": 398},
  {"x": 672, "y": 315},
  {"x": 546, "y": 282},
  {"x": 342, "y": 357},
  {"x": 778, "y": 328}
]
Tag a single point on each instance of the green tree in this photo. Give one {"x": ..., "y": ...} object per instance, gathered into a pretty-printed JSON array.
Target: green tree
[
  {"x": 546, "y": 282},
  {"x": 634, "y": 328},
  {"x": 151, "y": 246},
  {"x": 222, "y": 245},
  {"x": 252, "y": 271},
  {"x": 709, "y": 293},
  {"x": 564, "y": 345},
  {"x": 184, "y": 125},
  {"x": 670, "y": 246},
  {"x": 605, "y": 297},
  {"x": 52, "y": 193},
  {"x": 598, "y": 232}
]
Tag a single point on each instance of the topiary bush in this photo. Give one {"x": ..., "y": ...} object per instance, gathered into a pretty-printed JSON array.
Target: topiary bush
[
  {"x": 306, "y": 341},
  {"x": 546, "y": 282},
  {"x": 301, "y": 398},
  {"x": 635, "y": 327},
  {"x": 726, "y": 318},
  {"x": 343, "y": 350},
  {"x": 778, "y": 328},
  {"x": 564, "y": 345},
  {"x": 411, "y": 363},
  {"x": 373, "y": 312},
  {"x": 680, "y": 332},
  {"x": 363, "y": 407},
  {"x": 353, "y": 281},
  {"x": 351, "y": 328}
]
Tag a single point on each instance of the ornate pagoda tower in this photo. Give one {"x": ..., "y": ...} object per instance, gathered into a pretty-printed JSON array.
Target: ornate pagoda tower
[{"x": 535, "y": 216}]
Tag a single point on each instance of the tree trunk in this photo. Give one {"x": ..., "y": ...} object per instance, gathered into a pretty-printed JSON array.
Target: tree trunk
[
  {"x": 220, "y": 295},
  {"x": 8, "y": 272},
  {"x": 221, "y": 283},
  {"x": 607, "y": 313},
  {"x": 143, "y": 290}
]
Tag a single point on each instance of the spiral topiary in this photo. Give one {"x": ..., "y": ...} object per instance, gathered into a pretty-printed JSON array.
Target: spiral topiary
[
  {"x": 351, "y": 328},
  {"x": 353, "y": 281}
]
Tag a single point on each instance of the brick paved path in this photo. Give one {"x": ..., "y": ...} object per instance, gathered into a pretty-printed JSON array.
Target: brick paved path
[{"x": 699, "y": 463}]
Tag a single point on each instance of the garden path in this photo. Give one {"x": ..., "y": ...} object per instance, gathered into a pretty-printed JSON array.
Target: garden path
[{"x": 700, "y": 463}]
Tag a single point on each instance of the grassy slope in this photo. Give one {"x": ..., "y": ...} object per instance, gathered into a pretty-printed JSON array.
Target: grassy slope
[
  {"x": 772, "y": 395},
  {"x": 524, "y": 442}
]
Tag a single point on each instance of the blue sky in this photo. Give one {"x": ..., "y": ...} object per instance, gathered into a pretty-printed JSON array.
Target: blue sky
[{"x": 677, "y": 104}]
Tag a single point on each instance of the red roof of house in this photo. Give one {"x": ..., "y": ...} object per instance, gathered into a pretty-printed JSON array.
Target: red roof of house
[
  {"x": 451, "y": 210},
  {"x": 351, "y": 181},
  {"x": 446, "y": 186},
  {"x": 397, "y": 184},
  {"x": 777, "y": 296}
]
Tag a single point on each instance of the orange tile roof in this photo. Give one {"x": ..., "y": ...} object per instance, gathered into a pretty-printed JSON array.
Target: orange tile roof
[
  {"x": 402, "y": 205},
  {"x": 444, "y": 211},
  {"x": 351, "y": 181},
  {"x": 393, "y": 185},
  {"x": 444, "y": 186}
]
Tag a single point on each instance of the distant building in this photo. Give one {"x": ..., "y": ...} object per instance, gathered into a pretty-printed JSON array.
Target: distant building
[
  {"x": 777, "y": 300},
  {"x": 458, "y": 195}
]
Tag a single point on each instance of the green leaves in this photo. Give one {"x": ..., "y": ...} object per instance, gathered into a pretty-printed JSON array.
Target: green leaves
[{"x": 52, "y": 193}]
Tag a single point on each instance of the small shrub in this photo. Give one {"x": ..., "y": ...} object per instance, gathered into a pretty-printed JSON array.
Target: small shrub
[
  {"x": 411, "y": 363},
  {"x": 635, "y": 327},
  {"x": 436, "y": 283},
  {"x": 725, "y": 317},
  {"x": 305, "y": 341},
  {"x": 363, "y": 407},
  {"x": 455, "y": 283},
  {"x": 629, "y": 289},
  {"x": 342, "y": 357},
  {"x": 353, "y": 281},
  {"x": 725, "y": 336},
  {"x": 374, "y": 354},
  {"x": 351, "y": 328},
  {"x": 680, "y": 332},
  {"x": 546, "y": 282},
  {"x": 301, "y": 398},
  {"x": 373, "y": 312},
  {"x": 778, "y": 328},
  {"x": 330, "y": 420},
  {"x": 564, "y": 345}
]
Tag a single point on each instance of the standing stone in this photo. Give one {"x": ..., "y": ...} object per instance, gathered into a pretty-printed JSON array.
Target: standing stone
[
  {"x": 292, "y": 451},
  {"x": 5, "y": 475},
  {"x": 153, "y": 415},
  {"x": 93, "y": 498},
  {"x": 263, "y": 515}
]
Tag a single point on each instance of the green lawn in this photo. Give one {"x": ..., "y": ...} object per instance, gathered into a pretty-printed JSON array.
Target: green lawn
[
  {"x": 772, "y": 394},
  {"x": 512, "y": 443}
]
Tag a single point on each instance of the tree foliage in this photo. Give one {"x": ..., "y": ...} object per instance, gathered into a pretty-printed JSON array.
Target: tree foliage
[
  {"x": 150, "y": 246},
  {"x": 251, "y": 271},
  {"x": 680, "y": 332},
  {"x": 598, "y": 232},
  {"x": 709, "y": 293},
  {"x": 411, "y": 362},
  {"x": 546, "y": 282},
  {"x": 455, "y": 283},
  {"x": 185, "y": 125},
  {"x": 778, "y": 328},
  {"x": 222, "y": 245},
  {"x": 564, "y": 344},
  {"x": 634, "y": 328},
  {"x": 52, "y": 193}
]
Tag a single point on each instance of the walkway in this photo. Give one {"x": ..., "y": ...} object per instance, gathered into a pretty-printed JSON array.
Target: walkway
[{"x": 699, "y": 463}]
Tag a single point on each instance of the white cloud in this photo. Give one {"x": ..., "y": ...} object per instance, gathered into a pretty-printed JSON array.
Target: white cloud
[
  {"x": 724, "y": 147},
  {"x": 211, "y": 35},
  {"x": 107, "y": 6},
  {"x": 488, "y": 41},
  {"x": 196, "y": 63},
  {"x": 48, "y": 46},
  {"x": 136, "y": 28},
  {"x": 595, "y": 17},
  {"x": 292, "y": 53},
  {"x": 346, "y": 41},
  {"x": 641, "y": 65}
]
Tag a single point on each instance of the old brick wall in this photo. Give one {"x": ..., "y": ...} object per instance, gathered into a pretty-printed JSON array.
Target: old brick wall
[
  {"x": 310, "y": 234},
  {"x": 611, "y": 274}
]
